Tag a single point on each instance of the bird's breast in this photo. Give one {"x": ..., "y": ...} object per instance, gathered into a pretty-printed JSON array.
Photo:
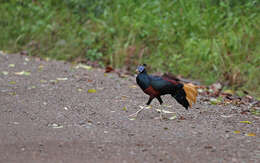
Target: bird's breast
[{"x": 151, "y": 91}]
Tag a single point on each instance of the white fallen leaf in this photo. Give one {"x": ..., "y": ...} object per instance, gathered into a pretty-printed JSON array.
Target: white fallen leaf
[
  {"x": 54, "y": 125},
  {"x": 164, "y": 111},
  {"x": 66, "y": 108},
  {"x": 62, "y": 79},
  {"x": 200, "y": 90},
  {"x": 27, "y": 59},
  {"x": 11, "y": 65},
  {"x": 26, "y": 73},
  {"x": 43, "y": 81},
  {"x": 173, "y": 117},
  {"x": 40, "y": 67},
  {"x": 132, "y": 119},
  {"x": 32, "y": 87},
  {"x": 83, "y": 66},
  {"x": 5, "y": 73},
  {"x": 226, "y": 116},
  {"x": 54, "y": 81}
]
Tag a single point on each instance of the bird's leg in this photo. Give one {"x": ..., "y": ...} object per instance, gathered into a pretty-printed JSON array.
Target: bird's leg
[
  {"x": 161, "y": 106},
  {"x": 150, "y": 100}
]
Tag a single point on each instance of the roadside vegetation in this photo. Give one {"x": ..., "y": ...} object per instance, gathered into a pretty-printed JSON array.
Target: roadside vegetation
[{"x": 214, "y": 40}]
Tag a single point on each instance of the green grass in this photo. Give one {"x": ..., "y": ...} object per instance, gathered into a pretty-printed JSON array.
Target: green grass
[{"x": 212, "y": 40}]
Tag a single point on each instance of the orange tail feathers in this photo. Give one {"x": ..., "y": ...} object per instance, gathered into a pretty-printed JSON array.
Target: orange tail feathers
[{"x": 191, "y": 93}]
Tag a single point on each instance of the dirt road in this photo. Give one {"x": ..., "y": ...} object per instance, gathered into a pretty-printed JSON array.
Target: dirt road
[{"x": 48, "y": 114}]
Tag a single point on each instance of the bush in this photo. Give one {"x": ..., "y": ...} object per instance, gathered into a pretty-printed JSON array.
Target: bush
[{"x": 207, "y": 40}]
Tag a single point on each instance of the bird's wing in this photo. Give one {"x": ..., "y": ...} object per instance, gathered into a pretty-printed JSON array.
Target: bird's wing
[{"x": 159, "y": 83}]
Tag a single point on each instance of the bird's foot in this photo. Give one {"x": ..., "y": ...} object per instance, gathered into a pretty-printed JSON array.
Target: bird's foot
[
  {"x": 138, "y": 111},
  {"x": 161, "y": 116}
]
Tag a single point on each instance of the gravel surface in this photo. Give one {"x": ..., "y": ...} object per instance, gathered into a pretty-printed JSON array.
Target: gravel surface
[{"x": 49, "y": 115}]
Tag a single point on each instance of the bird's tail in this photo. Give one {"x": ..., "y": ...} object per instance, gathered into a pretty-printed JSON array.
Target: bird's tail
[{"x": 191, "y": 93}]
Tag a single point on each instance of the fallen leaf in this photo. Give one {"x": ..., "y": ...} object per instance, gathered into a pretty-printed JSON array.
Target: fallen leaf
[
  {"x": 124, "y": 109},
  {"x": 5, "y": 73},
  {"x": 105, "y": 74},
  {"x": 124, "y": 97},
  {"x": 54, "y": 125},
  {"x": 79, "y": 89},
  {"x": 200, "y": 90},
  {"x": 62, "y": 79},
  {"x": 12, "y": 93},
  {"x": 164, "y": 111},
  {"x": 92, "y": 91},
  {"x": 83, "y": 66},
  {"x": 173, "y": 117},
  {"x": 131, "y": 119},
  {"x": 226, "y": 116},
  {"x": 248, "y": 122},
  {"x": 228, "y": 92},
  {"x": 237, "y": 132},
  {"x": 32, "y": 87},
  {"x": 133, "y": 86},
  {"x": 40, "y": 67},
  {"x": 27, "y": 59},
  {"x": 53, "y": 81},
  {"x": 214, "y": 101},
  {"x": 26, "y": 73},
  {"x": 43, "y": 81},
  {"x": 109, "y": 69},
  {"x": 12, "y": 82},
  {"x": 250, "y": 134},
  {"x": 208, "y": 147},
  {"x": 66, "y": 108},
  {"x": 255, "y": 111},
  {"x": 182, "y": 118},
  {"x": 11, "y": 65}
]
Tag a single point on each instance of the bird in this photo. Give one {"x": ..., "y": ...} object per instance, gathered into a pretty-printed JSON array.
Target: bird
[{"x": 157, "y": 86}]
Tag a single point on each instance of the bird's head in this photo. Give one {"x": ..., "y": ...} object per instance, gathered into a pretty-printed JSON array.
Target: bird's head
[{"x": 141, "y": 68}]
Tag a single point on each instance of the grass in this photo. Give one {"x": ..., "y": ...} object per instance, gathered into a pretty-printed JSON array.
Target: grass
[{"x": 212, "y": 40}]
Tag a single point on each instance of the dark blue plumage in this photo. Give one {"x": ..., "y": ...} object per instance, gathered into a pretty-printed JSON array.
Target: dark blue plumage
[{"x": 155, "y": 86}]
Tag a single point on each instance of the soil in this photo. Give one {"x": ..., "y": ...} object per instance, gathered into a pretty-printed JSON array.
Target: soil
[{"x": 48, "y": 120}]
